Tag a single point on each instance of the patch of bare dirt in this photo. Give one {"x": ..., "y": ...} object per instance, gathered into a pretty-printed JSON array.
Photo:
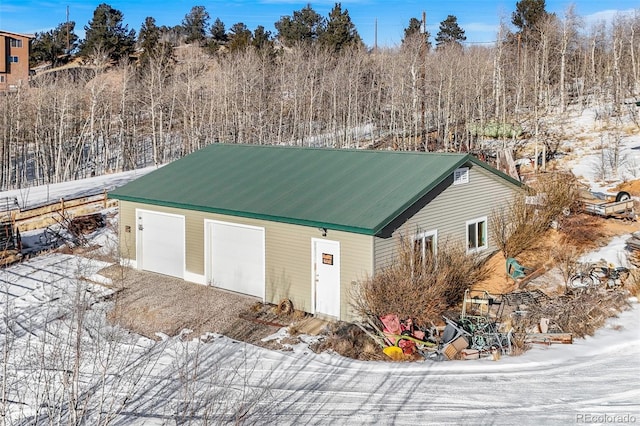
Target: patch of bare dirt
[
  {"x": 632, "y": 187},
  {"x": 540, "y": 256},
  {"x": 148, "y": 303}
]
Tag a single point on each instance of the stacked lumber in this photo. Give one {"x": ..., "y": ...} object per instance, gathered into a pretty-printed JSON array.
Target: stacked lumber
[
  {"x": 633, "y": 246},
  {"x": 549, "y": 338}
]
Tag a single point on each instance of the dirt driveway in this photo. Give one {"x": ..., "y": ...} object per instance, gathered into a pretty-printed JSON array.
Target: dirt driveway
[{"x": 149, "y": 303}]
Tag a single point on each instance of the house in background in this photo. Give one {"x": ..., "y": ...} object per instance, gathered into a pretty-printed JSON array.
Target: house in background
[
  {"x": 14, "y": 60},
  {"x": 301, "y": 223}
]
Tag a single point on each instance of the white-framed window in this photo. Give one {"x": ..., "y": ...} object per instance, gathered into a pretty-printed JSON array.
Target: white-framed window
[
  {"x": 424, "y": 250},
  {"x": 477, "y": 238},
  {"x": 461, "y": 176},
  {"x": 13, "y": 59},
  {"x": 425, "y": 244},
  {"x": 16, "y": 43},
  {"x": 1, "y": 78}
]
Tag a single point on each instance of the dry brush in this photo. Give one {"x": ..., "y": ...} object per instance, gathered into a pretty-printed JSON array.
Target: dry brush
[{"x": 419, "y": 288}]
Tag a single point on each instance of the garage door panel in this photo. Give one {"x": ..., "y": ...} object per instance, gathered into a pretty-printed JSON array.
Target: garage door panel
[
  {"x": 162, "y": 243},
  {"x": 237, "y": 258}
]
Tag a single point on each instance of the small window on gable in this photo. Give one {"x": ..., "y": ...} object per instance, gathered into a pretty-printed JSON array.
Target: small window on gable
[
  {"x": 16, "y": 43},
  {"x": 461, "y": 175}
]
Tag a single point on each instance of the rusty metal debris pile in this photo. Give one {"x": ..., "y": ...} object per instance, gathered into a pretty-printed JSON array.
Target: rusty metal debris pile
[{"x": 488, "y": 326}]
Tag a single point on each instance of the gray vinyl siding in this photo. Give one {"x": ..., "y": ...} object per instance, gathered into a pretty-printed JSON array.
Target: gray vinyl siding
[
  {"x": 288, "y": 248},
  {"x": 449, "y": 212}
]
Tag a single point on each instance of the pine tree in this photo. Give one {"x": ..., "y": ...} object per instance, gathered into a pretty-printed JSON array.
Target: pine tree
[
  {"x": 149, "y": 35},
  {"x": 305, "y": 26},
  {"x": 262, "y": 40},
  {"x": 415, "y": 30},
  {"x": 340, "y": 32},
  {"x": 218, "y": 32},
  {"x": 194, "y": 25},
  {"x": 527, "y": 16},
  {"x": 219, "y": 37},
  {"x": 239, "y": 37},
  {"x": 51, "y": 46},
  {"x": 149, "y": 40},
  {"x": 106, "y": 33},
  {"x": 450, "y": 33}
]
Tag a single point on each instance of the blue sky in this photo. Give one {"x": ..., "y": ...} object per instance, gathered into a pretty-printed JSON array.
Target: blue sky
[{"x": 479, "y": 18}]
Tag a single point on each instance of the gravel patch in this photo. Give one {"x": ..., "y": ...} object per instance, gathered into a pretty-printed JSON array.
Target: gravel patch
[{"x": 149, "y": 303}]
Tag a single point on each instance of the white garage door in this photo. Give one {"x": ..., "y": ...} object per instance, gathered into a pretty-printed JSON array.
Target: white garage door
[
  {"x": 161, "y": 243},
  {"x": 236, "y": 257}
]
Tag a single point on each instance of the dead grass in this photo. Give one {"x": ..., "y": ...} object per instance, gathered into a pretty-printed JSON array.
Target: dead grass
[
  {"x": 632, "y": 187},
  {"x": 580, "y": 313},
  {"x": 630, "y": 130},
  {"x": 519, "y": 228},
  {"x": 582, "y": 231},
  {"x": 632, "y": 284},
  {"x": 584, "y": 138},
  {"x": 350, "y": 341}
]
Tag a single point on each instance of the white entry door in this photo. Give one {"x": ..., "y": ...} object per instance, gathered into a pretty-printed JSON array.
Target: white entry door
[
  {"x": 236, "y": 257},
  {"x": 161, "y": 244},
  {"x": 326, "y": 280}
]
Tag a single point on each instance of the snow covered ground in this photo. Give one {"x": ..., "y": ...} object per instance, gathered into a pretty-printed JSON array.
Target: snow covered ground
[
  {"x": 60, "y": 357},
  {"x": 38, "y": 195},
  {"x": 62, "y": 362},
  {"x": 605, "y": 152}
]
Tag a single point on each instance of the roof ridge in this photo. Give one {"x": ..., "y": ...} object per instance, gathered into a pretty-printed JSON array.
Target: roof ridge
[{"x": 333, "y": 149}]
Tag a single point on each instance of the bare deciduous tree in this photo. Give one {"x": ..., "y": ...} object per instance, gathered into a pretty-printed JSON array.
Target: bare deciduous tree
[{"x": 102, "y": 118}]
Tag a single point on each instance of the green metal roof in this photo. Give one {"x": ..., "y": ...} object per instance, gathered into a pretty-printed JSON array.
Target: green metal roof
[{"x": 351, "y": 190}]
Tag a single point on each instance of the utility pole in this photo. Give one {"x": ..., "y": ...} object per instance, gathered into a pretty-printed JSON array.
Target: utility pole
[{"x": 375, "y": 36}]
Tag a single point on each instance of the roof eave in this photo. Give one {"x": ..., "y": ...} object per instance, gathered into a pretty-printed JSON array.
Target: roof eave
[
  {"x": 29, "y": 36},
  {"x": 250, "y": 215}
]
